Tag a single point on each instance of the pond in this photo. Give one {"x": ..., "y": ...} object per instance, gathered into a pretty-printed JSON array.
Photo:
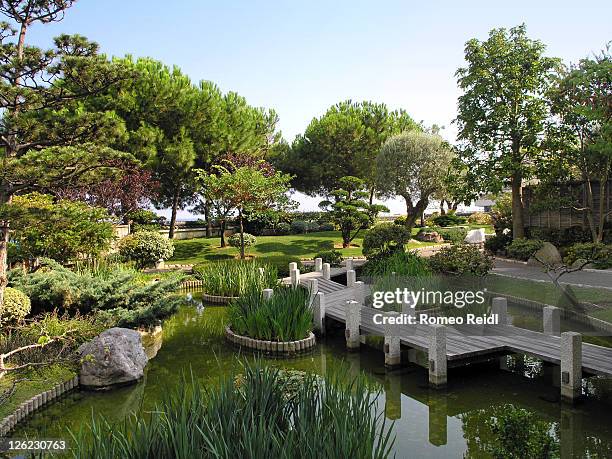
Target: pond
[{"x": 428, "y": 423}]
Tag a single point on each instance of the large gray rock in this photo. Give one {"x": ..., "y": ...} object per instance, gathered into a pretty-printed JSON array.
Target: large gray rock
[
  {"x": 114, "y": 357},
  {"x": 548, "y": 255},
  {"x": 475, "y": 236}
]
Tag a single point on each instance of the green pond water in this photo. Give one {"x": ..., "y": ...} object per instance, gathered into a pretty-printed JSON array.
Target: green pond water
[{"x": 428, "y": 423}]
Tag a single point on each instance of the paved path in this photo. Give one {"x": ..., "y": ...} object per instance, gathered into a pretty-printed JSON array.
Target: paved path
[{"x": 592, "y": 278}]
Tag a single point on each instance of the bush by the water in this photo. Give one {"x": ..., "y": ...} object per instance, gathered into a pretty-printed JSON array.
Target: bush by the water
[
  {"x": 287, "y": 316},
  {"x": 146, "y": 248},
  {"x": 401, "y": 263},
  {"x": 598, "y": 254},
  {"x": 523, "y": 249},
  {"x": 385, "y": 238},
  {"x": 480, "y": 218},
  {"x": 15, "y": 308},
  {"x": 333, "y": 257},
  {"x": 450, "y": 219},
  {"x": 249, "y": 240},
  {"x": 498, "y": 243},
  {"x": 233, "y": 277},
  {"x": 114, "y": 293},
  {"x": 461, "y": 259},
  {"x": 265, "y": 416}
]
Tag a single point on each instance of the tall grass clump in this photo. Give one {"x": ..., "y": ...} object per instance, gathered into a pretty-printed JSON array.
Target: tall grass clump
[
  {"x": 328, "y": 418},
  {"x": 233, "y": 277},
  {"x": 399, "y": 262},
  {"x": 287, "y": 316}
]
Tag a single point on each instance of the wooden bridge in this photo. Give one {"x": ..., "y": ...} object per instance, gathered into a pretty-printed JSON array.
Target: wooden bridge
[{"x": 448, "y": 346}]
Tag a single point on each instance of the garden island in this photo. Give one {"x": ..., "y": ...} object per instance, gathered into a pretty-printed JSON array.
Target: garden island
[{"x": 179, "y": 280}]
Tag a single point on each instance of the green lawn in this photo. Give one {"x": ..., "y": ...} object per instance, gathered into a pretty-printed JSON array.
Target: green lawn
[{"x": 191, "y": 251}]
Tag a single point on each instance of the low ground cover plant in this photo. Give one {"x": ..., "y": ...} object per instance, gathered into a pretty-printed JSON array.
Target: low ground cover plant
[
  {"x": 263, "y": 416},
  {"x": 461, "y": 259},
  {"x": 115, "y": 294},
  {"x": 234, "y": 277},
  {"x": 287, "y": 316}
]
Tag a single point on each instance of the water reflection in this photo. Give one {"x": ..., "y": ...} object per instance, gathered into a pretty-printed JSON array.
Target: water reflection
[{"x": 428, "y": 423}]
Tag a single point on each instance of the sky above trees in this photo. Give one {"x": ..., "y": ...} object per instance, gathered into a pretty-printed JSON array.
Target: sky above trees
[{"x": 302, "y": 57}]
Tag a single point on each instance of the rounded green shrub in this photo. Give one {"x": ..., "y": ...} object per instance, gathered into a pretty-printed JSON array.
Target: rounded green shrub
[
  {"x": 461, "y": 259},
  {"x": 283, "y": 229},
  {"x": 146, "y": 248},
  {"x": 16, "y": 306},
  {"x": 333, "y": 257},
  {"x": 524, "y": 249},
  {"x": 449, "y": 220},
  {"x": 299, "y": 227},
  {"x": 480, "y": 218},
  {"x": 453, "y": 235},
  {"x": 249, "y": 240},
  {"x": 497, "y": 243},
  {"x": 385, "y": 238}
]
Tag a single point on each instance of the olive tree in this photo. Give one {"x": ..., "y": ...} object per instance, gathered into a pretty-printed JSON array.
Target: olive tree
[{"x": 413, "y": 165}]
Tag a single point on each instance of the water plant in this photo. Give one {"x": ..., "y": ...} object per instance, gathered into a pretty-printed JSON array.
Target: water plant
[
  {"x": 287, "y": 316},
  {"x": 401, "y": 263},
  {"x": 233, "y": 277},
  {"x": 256, "y": 419}
]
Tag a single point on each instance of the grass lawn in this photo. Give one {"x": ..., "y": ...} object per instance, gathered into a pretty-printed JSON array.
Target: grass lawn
[
  {"x": 37, "y": 381},
  {"x": 191, "y": 251}
]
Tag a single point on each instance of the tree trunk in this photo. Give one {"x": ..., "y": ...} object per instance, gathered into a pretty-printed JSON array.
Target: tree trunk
[
  {"x": 518, "y": 226},
  {"x": 5, "y": 198},
  {"x": 603, "y": 184},
  {"x": 372, "y": 195},
  {"x": 590, "y": 212},
  {"x": 222, "y": 223},
  {"x": 241, "y": 236},
  {"x": 208, "y": 221},
  {"x": 175, "y": 200},
  {"x": 442, "y": 211}
]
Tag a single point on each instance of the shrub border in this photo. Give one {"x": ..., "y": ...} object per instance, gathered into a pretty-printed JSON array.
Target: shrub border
[
  {"x": 275, "y": 347},
  {"x": 35, "y": 403}
]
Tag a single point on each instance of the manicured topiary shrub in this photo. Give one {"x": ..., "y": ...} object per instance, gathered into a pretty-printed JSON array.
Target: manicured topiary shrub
[
  {"x": 249, "y": 240},
  {"x": 299, "y": 227},
  {"x": 16, "y": 306},
  {"x": 599, "y": 254},
  {"x": 449, "y": 220},
  {"x": 146, "y": 248},
  {"x": 328, "y": 226},
  {"x": 454, "y": 235},
  {"x": 523, "y": 249},
  {"x": 480, "y": 218},
  {"x": 385, "y": 238},
  {"x": 282, "y": 229},
  {"x": 333, "y": 257},
  {"x": 401, "y": 220},
  {"x": 461, "y": 259}
]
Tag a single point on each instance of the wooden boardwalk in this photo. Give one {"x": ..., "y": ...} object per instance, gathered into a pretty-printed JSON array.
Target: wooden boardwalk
[{"x": 463, "y": 343}]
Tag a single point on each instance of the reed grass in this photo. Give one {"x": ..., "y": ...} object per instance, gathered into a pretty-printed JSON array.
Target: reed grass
[
  {"x": 233, "y": 277},
  {"x": 331, "y": 418},
  {"x": 287, "y": 316}
]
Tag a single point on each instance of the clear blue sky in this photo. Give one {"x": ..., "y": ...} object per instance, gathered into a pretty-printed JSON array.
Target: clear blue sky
[{"x": 301, "y": 57}]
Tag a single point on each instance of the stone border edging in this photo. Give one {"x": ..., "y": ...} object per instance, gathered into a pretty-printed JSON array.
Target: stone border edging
[
  {"x": 217, "y": 299},
  {"x": 276, "y": 347},
  {"x": 35, "y": 403}
]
